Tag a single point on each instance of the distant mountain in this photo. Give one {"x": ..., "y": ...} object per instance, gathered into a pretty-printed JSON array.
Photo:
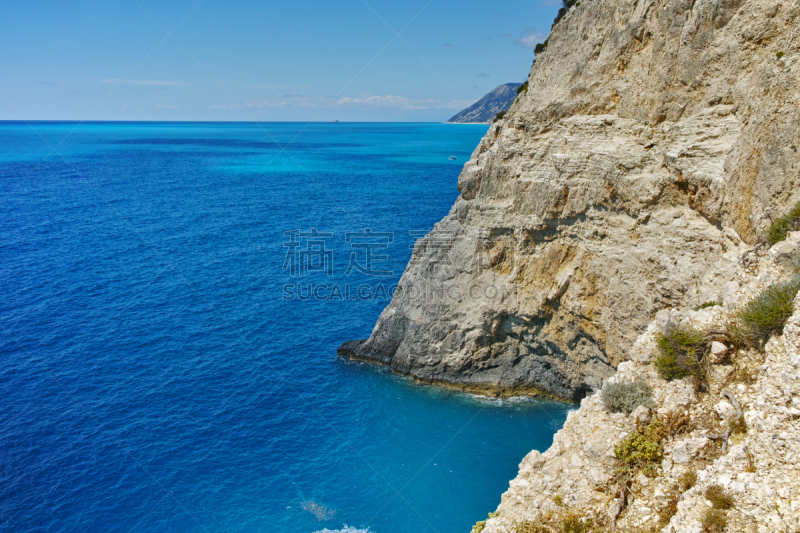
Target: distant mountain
[{"x": 484, "y": 110}]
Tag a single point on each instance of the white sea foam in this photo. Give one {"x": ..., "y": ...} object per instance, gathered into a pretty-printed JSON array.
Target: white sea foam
[
  {"x": 345, "y": 529},
  {"x": 322, "y": 512}
]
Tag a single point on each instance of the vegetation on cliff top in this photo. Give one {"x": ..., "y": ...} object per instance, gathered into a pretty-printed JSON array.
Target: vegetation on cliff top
[
  {"x": 625, "y": 397},
  {"x": 768, "y": 312},
  {"x": 642, "y": 447},
  {"x": 681, "y": 349},
  {"x": 565, "y": 6},
  {"x": 781, "y": 227},
  {"x": 715, "y": 518}
]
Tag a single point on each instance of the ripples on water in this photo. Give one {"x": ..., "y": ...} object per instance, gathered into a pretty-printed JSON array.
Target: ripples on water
[{"x": 152, "y": 376}]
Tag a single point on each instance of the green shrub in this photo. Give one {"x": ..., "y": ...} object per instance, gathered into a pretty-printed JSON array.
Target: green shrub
[
  {"x": 522, "y": 88},
  {"x": 780, "y": 55},
  {"x": 680, "y": 352},
  {"x": 640, "y": 449},
  {"x": 688, "y": 480},
  {"x": 574, "y": 523},
  {"x": 670, "y": 509},
  {"x": 719, "y": 498},
  {"x": 541, "y": 47},
  {"x": 625, "y": 397},
  {"x": 499, "y": 116},
  {"x": 788, "y": 222},
  {"x": 715, "y": 521},
  {"x": 566, "y": 5},
  {"x": 706, "y": 305},
  {"x": 768, "y": 312},
  {"x": 528, "y": 526},
  {"x": 650, "y": 470},
  {"x": 478, "y": 527}
]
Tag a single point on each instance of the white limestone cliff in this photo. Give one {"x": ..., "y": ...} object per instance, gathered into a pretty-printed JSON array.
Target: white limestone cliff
[{"x": 656, "y": 141}]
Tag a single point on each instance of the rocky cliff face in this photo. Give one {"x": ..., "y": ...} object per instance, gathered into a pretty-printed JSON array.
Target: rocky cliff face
[
  {"x": 657, "y": 140},
  {"x": 581, "y": 476},
  {"x": 484, "y": 110}
]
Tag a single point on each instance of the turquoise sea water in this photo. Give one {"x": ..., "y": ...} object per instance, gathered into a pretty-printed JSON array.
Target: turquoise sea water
[{"x": 155, "y": 375}]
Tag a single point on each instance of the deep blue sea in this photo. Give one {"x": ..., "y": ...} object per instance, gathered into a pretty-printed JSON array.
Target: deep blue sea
[{"x": 163, "y": 367}]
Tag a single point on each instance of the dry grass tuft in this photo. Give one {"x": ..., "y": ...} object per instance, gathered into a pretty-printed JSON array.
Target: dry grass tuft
[
  {"x": 687, "y": 480},
  {"x": 719, "y": 498},
  {"x": 715, "y": 521}
]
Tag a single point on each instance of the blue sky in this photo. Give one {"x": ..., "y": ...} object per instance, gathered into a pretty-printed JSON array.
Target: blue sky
[{"x": 300, "y": 60}]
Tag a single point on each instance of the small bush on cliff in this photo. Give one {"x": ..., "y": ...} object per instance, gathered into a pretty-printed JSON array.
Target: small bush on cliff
[
  {"x": 706, "y": 305},
  {"x": 625, "y": 397},
  {"x": 768, "y": 312},
  {"x": 499, "y": 116},
  {"x": 714, "y": 521},
  {"x": 530, "y": 526},
  {"x": 575, "y": 523},
  {"x": 688, "y": 480},
  {"x": 522, "y": 88},
  {"x": 566, "y": 5},
  {"x": 670, "y": 509},
  {"x": 478, "y": 527},
  {"x": 781, "y": 227},
  {"x": 666, "y": 512},
  {"x": 681, "y": 352},
  {"x": 641, "y": 448},
  {"x": 719, "y": 498}
]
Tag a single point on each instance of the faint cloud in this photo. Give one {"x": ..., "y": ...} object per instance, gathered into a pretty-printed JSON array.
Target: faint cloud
[
  {"x": 152, "y": 83},
  {"x": 507, "y": 35},
  {"x": 447, "y": 45},
  {"x": 550, "y": 2},
  {"x": 531, "y": 38},
  {"x": 293, "y": 95},
  {"x": 401, "y": 102},
  {"x": 292, "y": 105},
  {"x": 483, "y": 75},
  {"x": 51, "y": 83},
  {"x": 166, "y": 106},
  {"x": 266, "y": 104}
]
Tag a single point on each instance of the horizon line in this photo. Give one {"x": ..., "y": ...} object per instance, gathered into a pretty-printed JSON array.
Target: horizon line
[{"x": 24, "y": 121}]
